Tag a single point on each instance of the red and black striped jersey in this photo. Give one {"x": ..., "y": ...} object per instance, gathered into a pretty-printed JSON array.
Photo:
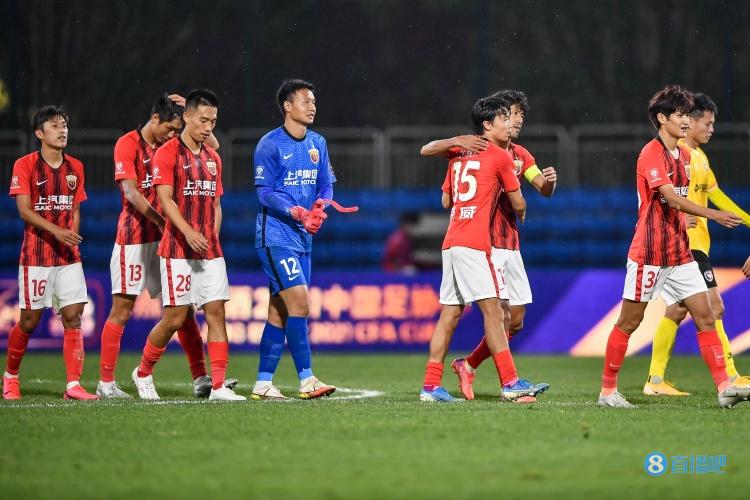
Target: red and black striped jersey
[
  {"x": 474, "y": 181},
  {"x": 54, "y": 195},
  {"x": 660, "y": 234},
  {"x": 196, "y": 183},
  {"x": 133, "y": 158},
  {"x": 504, "y": 226}
]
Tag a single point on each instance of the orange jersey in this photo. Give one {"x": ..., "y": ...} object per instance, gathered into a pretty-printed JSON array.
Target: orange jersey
[
  {"x": 504, "y": 226},
  {"x": 54, "y": 193},
  {"x": 133, "y": 157},
  {"x": 660, "y": 234},
  {"x": 196, "y": 183},
  {"x": 474, "y": 181}
]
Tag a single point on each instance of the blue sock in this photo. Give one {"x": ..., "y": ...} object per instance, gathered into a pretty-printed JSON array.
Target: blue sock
[
  {"x": 271, "y": 347},
  {"x": 299, "y": 345}
]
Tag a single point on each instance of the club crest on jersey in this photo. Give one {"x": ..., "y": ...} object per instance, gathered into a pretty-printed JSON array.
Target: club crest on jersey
[
  {"x": 14, "y": 184},
  {"x": 687, "y": 170},
  {"x": 211, "y": 166},
  {"x": 518, "y": 164},
  {"x": 72, "y": 181},
  {"x": 314, "y": 155}
]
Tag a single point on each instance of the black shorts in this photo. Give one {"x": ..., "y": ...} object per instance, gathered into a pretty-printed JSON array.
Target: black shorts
[{"x": 705, "y": 266}]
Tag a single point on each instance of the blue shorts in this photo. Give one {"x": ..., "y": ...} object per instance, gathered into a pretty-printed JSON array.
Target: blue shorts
[{"x": 285, "y": 268}]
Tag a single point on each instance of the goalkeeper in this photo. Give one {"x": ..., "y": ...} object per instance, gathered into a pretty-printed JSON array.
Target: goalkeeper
[
  {"x": 703, "y": 188},
  {"x": 294, "y": 182}
]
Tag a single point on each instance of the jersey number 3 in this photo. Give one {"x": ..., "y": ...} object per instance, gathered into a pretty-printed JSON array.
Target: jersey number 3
[{"x": 462, "y": 175}]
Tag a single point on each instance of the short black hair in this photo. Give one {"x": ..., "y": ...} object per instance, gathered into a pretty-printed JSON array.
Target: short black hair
[
  {"x": 47, "y": 113},
  {"x": 486, "y": 109},
  {"x": 166, "y": 108},
  {"x": 668, "y": 100},
  {"x": 515, "y": 97},
  {"x": 289, "y": 87},
  {"x": 701, "y": 104},
  {"x": 200, "y": 97}
]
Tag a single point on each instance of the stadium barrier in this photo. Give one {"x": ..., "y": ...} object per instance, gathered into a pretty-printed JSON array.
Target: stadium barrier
[
  {"x": 572, "y": 313},
  {"x": 590, "y": 155}
]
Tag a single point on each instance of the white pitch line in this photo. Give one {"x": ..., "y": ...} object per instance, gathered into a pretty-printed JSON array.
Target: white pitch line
[{"x": 351, "y": 394}]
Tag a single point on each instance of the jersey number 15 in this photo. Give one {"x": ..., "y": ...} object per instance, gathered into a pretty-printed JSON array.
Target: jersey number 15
[{"x": 462, "y": 175}]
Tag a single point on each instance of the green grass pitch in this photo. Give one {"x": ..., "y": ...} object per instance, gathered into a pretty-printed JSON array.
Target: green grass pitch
[{"x": 384, "y": 445}]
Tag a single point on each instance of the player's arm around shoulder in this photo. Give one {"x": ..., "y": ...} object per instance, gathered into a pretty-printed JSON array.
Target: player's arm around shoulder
[{"x": 443, "y": 147}]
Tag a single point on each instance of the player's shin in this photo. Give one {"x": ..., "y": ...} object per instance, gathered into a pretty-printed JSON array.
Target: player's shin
[
  {"x": 218, "y": 352},
  {"x": 271, "y": 347},
  {"x": 479, "y": 354},
  {"x": 17, "y": 342},
  {"x": 73, "y": 355},
  {"x": 617, "y": 346},
  {"x": 299, "y": 345},
  {"x": 151, "y": 355},
  {"x": 433, "y": 375},
  {"x": 713, "y": 355},
  {"x": 189, "y": 336},
  {"x": 110, "y": 350}
]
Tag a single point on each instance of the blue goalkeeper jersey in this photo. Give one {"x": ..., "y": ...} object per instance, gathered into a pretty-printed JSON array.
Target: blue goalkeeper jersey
[{"x": 297, "y": 170}]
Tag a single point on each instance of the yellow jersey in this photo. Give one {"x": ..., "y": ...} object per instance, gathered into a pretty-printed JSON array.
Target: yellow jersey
[{"x": 702, "y": 182}]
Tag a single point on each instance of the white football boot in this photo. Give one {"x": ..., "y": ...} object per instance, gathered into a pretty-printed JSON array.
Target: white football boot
[
  {"x": 614, "y": 400},
  {"x": 145, "y": 386},
  {"x": 110, "y": 390},
  {"x": 224, "y": 393}
]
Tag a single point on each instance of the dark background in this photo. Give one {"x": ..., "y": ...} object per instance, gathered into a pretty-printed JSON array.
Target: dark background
[
  {"x": 376, "y": 63},
  {"x": 398, "y": 73}
]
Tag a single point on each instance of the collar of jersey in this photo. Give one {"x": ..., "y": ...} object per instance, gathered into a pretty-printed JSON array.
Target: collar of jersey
[
  {"x": 179, "y": 138},
  {"x": 291, "y": 136},
  {"x": 64, "y": 159}
]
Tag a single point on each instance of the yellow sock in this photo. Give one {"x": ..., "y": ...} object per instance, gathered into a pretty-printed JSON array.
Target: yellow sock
[
  {"x": 731, "y": 370},
  {"x": 661, "y": 351}
]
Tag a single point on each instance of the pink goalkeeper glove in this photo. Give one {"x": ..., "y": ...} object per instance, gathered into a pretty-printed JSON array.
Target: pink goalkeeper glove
[{"x": 310, "y": 219}]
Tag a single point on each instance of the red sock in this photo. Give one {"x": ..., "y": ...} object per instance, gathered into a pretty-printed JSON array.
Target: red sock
[
  {"x": 73, "y": 354},
  {"x": 433, "y": 375},
  {"x": 713, "y": 355},
  {"x": 480, "y": 353},
  {"x": 506, "y": 368},
  {"x": 17, "y": 342},
  {"x": 219, "y": 354},
  {"x": 192, "y": 343},
  {"x": 111, "y": 335},
  {"x": 151, "y": 355},
  {"x": 617, "y": 346}
]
